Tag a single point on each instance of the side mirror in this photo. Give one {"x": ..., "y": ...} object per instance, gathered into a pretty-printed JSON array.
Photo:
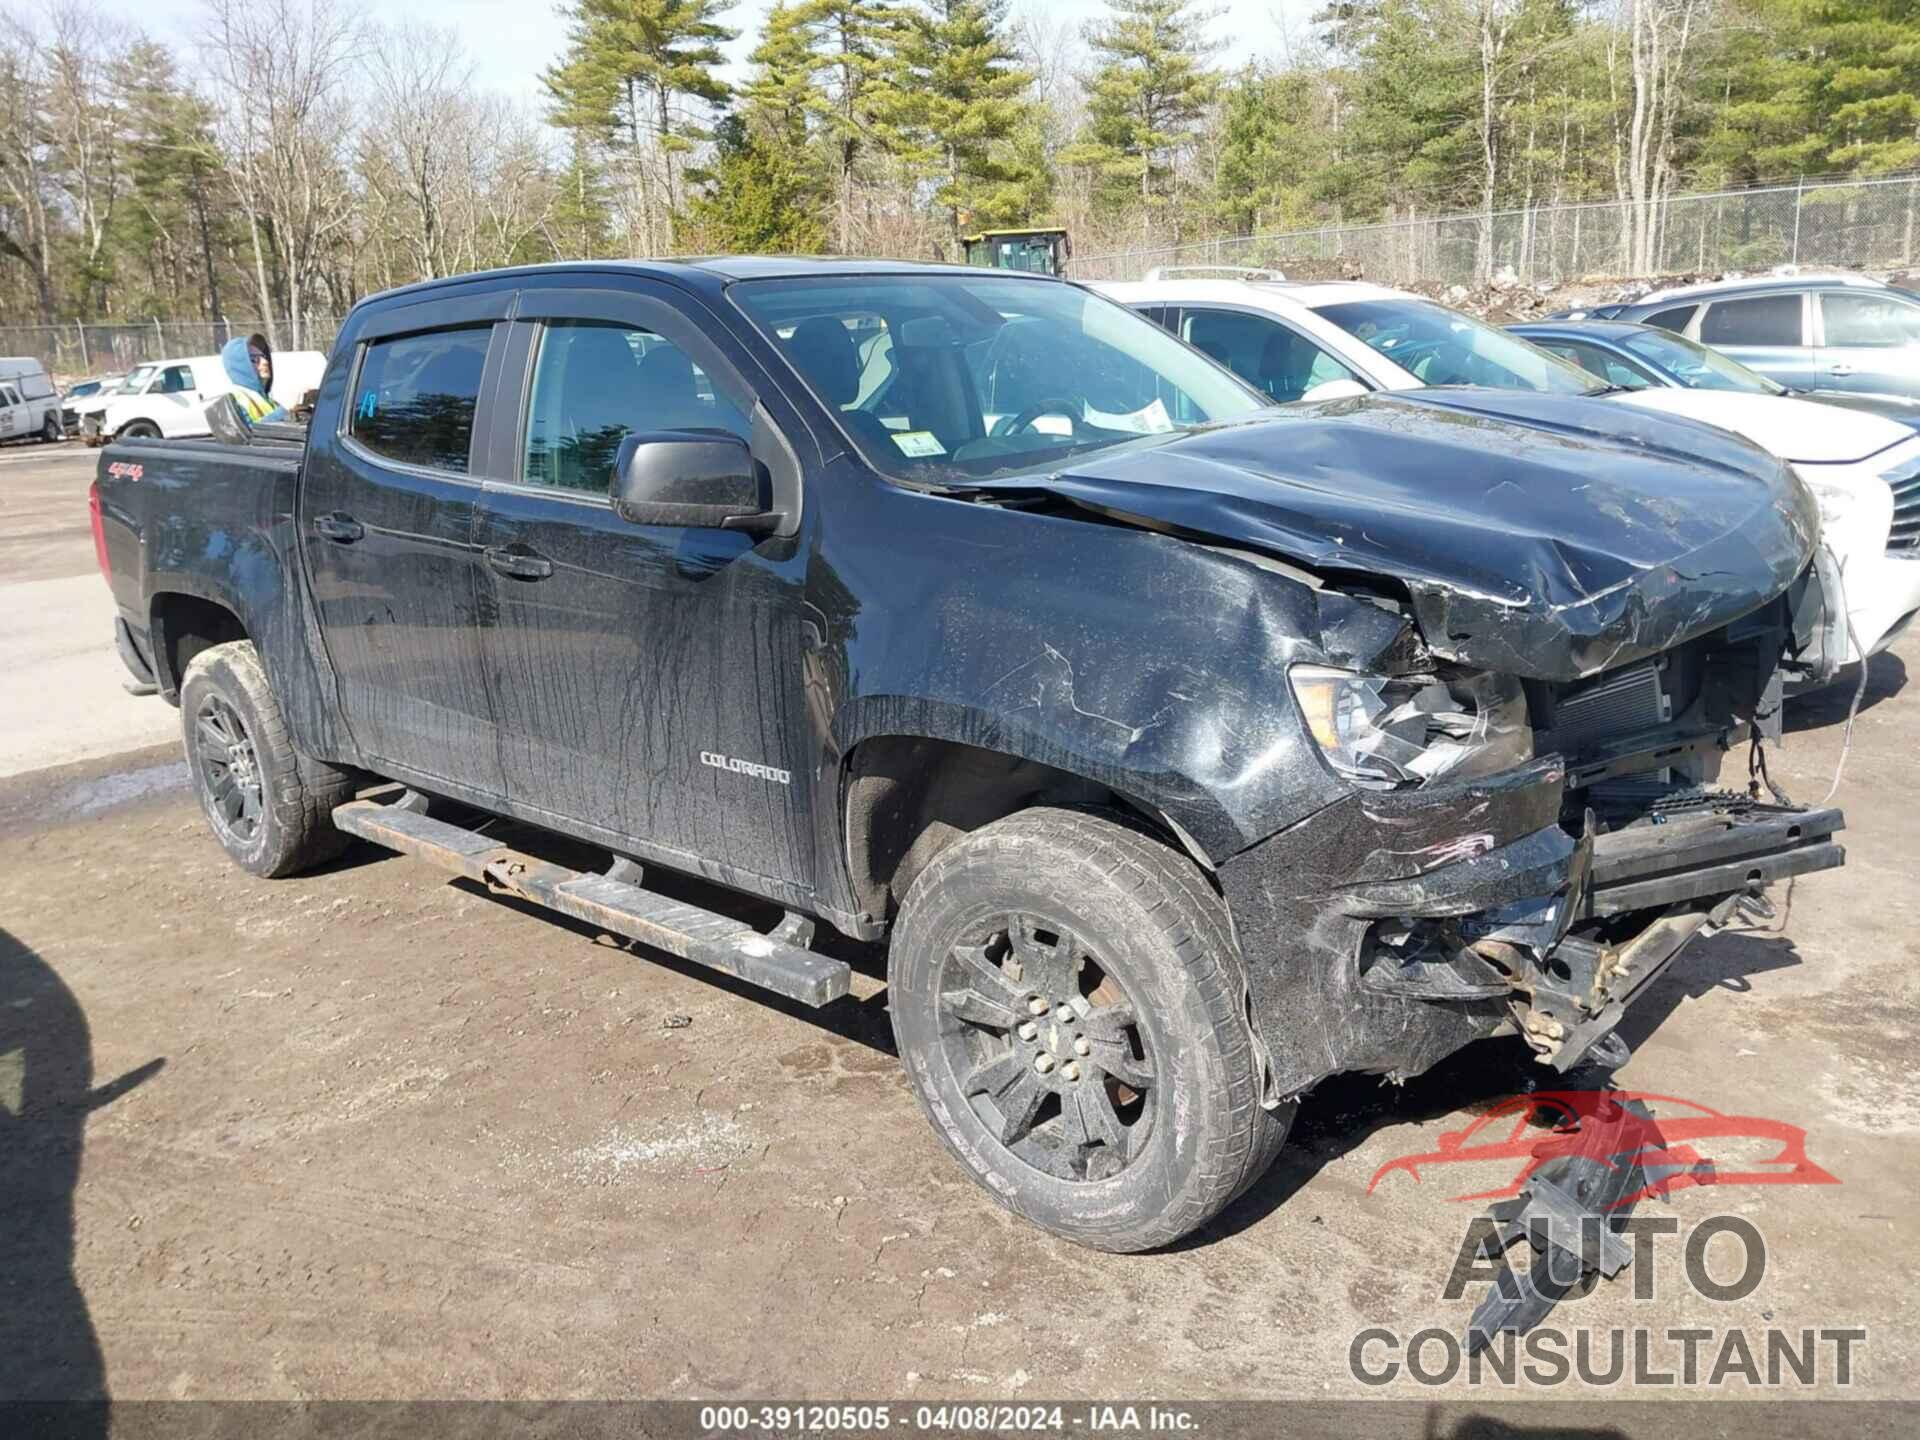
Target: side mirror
[
  {"x": 693, "y": 478},
  {"x": 1335, "y": 390}
]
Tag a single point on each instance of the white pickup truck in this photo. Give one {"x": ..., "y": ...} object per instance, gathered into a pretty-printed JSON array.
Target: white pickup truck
[{"x": 168, "y": 398}]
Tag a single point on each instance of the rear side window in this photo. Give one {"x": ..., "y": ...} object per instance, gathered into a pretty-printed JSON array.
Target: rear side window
[
  {"x": 1763, "y": 320},
  {"x": 596, "y": 383},
  {"x": 1871, "y": 321},
  {"x": 1674, "y": 319},
  {"x": 1278, "y": 361},
  {"x": 415, "y": 399}
]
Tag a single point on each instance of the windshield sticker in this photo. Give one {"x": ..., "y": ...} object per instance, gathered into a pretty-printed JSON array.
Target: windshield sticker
[
  {"x": 1153, "y": 420},
  {"x": 919, "y": 443}
]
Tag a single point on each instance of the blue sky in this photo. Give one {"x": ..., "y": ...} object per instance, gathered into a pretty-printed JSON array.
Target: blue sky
[{"x": 512, "y": 40}]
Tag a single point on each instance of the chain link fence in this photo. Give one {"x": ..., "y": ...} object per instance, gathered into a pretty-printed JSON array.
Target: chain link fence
[
  {"x": 1849, "y": 224},
  {"x": 76, "y": 351}
]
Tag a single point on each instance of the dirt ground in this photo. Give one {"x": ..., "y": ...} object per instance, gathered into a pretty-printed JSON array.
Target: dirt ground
[{"x": 371, "y": 1134}]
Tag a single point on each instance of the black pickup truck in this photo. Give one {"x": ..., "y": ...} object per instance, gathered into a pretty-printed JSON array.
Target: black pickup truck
[{"x": 1183, "y": 750}]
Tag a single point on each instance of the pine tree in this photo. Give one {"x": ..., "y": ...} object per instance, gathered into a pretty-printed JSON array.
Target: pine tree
[
  {"x": 628, "y": 66},
  {"x": 1275, "y": 147},
  {"x": 963, "y": 99},
  {"x": 1145, "y": 99},
  {"x": 761, "y": 199},
  {"x": 858, "y": 101},
  {"x": 1818, "y": 85}
]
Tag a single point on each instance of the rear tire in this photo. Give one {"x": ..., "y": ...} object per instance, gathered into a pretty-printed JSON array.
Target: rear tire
[
  {"x": 269, "y": 806},
  {"x": 1131, "y": 1114},
  {"x": 139, "y": 430}
]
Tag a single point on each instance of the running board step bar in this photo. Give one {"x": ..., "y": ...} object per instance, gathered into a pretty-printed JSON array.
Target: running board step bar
[{"x": 613, "y": 901}]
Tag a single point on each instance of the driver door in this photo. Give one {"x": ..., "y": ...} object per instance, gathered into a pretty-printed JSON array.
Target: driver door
[{"x": 646, "y": 678}]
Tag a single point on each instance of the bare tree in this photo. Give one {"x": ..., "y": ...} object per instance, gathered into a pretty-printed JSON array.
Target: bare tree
[
  {"x": 284, "y": 70},
  {"x": 87, "y": 124},
  {"x": 26, "y": 164},
  {"x": 1660, "y": 40},
  {"x": 417, "y": 122}
]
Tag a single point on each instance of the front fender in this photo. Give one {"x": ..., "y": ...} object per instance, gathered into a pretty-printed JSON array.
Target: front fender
[{"x": 1165, "y": 681}]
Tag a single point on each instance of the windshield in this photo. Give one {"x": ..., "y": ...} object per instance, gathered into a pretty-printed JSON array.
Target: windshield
[
  {"x": 951, "y": 378},
  {"x": 136, "y": 380},
  {"x": 1438, "y": 346},
  {"x": 1697, "y": 367}
]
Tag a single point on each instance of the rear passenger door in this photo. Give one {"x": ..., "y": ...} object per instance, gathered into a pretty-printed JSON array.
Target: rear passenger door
[
  {"x": 1769, "y": 333},
  {"x": 386, "y": 524},
  {"x": 647, "y": 678},
  {"x": 1870, "y": 341},
  {"x": 13, "y": 412}
]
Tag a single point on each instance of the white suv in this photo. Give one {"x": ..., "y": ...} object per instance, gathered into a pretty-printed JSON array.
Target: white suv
[{"x": 1301, "y": 341}]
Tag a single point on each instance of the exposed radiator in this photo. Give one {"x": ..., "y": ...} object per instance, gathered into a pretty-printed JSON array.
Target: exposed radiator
[{"x": 1627, "y": 701}]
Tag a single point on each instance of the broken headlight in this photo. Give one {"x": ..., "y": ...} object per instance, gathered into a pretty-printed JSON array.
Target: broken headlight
[{"x": 1384, "y": 732}]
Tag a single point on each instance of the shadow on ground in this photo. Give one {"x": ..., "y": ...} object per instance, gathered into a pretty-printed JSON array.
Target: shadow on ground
[
  {"x": 1341, "y": 1114},
  {"x": 48, "y": 1349},
  {"x": 1886, "y": 678}
]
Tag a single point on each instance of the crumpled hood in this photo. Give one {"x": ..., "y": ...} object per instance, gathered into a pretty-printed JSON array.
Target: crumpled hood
[{"x": 1541, "y": 536}]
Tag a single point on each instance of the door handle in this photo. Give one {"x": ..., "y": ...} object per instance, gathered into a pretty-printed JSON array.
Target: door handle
[
  {"x": 520, "y": 564},
  {"x": 1840, "y": 369},
  {"x": 342, "y": 528}
]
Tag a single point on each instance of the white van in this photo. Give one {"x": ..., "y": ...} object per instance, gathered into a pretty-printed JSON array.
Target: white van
[
  {"x": 28, "y": 404},
  {"x": 169, "y": 397}
]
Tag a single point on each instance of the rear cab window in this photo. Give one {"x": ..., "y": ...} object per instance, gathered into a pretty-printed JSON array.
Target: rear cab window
[
  {"x": 1756, "y": 320},
  {"x": 414, "y": 397}
]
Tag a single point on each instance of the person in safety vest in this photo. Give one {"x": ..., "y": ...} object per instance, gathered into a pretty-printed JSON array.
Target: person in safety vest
[{"x": 249, "y": 365}]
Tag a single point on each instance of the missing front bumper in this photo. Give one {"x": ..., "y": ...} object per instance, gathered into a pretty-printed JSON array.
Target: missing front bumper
[
  {"x": 1572, "y": 962},
  {"x": 1384, "y": 937}
]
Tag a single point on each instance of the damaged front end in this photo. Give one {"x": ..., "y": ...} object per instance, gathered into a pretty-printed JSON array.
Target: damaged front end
[{"x": 1514, "y": 855}]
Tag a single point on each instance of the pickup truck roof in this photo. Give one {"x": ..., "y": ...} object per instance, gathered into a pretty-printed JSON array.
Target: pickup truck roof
[{"x": 705, "y": 274}]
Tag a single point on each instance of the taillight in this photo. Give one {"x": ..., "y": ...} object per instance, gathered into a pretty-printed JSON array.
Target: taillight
[{"x": 99, "y": 532}]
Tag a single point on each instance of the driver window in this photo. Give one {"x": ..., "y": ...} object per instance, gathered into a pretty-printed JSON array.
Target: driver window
[
  {"x": 596, "y": 383},
  {"x": 174, "y": 380}
]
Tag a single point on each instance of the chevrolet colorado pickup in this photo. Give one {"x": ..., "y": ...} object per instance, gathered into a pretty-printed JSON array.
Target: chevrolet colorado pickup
[{"x": 1184, "y": 749}]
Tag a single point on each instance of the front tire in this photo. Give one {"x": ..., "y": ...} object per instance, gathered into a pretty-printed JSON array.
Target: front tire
[
  {"x": 270, "y": 807},
  {"x": 50, "y": 429},
  {"x": 1071, "y": 1012},
  {"x": 139, "y": 430}
]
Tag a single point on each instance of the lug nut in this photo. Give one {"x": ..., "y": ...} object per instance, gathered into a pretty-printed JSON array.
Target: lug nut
[
  {"x": 1065, "y": 1012},
  {"x": 1082, "y": 1045},
  {"x": 1043, "y": 1063},
  {"x": 1028, "y": 1031},
  {"x": 1072, "y": 1072},
  {"x": 1037, "y": 1005}
]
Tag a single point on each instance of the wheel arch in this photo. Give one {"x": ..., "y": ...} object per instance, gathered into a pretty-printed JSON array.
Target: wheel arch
[
  {"x": 181, "y": 624},
  {"x": 905, "y": 795}
]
